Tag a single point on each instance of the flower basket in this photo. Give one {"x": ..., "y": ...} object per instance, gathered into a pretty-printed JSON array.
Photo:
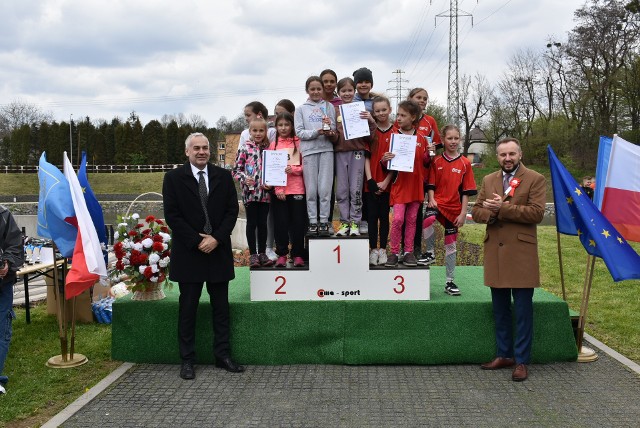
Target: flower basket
[
  {"x": 142, "y": 251},
  {"x": 151, "y": 292}
]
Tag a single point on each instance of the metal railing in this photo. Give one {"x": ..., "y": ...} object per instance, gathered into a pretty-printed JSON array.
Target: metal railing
[{"x": 33, "y": 169}]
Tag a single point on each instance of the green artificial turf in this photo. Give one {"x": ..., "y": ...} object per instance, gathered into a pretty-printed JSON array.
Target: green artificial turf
[{"x": 443, "y": 330}]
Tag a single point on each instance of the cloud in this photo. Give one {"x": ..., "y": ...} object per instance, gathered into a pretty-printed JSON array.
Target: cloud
[{"x": 105, "y": 59}]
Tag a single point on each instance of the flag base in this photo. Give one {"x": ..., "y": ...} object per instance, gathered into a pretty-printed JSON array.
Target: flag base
[
  {"x": 587, "y": 355},
  {"x": 57, "y": 362}
]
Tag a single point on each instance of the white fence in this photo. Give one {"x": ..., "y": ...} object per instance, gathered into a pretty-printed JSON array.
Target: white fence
[{"x": 33, "y": 169}]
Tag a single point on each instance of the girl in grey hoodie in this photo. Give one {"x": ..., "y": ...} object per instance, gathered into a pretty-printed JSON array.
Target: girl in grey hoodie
[{"x": 315, "y": 125}]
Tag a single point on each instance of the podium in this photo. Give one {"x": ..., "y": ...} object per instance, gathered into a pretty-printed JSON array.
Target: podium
[{"x": 338, "y": 269}]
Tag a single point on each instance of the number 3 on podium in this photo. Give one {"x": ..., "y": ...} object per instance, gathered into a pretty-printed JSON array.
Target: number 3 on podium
[{"x": 400, "y": 288}]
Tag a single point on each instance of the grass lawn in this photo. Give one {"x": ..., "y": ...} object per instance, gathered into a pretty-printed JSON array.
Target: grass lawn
[
  {"x": 131, "y": 183},
  {"x": 35, "y": 393}
]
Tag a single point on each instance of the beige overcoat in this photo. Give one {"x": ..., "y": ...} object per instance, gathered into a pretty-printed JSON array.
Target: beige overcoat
[{"x": 511, "y": 242}]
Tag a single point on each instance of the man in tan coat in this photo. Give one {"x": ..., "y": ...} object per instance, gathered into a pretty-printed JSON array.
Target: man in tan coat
[{"x": 511, "y": 203}]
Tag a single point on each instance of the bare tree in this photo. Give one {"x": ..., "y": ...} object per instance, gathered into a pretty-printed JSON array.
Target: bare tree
[
  {"x": 236, "y": 125},
  {"x": 475, "y": 94},
  {"x": 197, "y": 122},
  {"x": 18, "y": 113}
]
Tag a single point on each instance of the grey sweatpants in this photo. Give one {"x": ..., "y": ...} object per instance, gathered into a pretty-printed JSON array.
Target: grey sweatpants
[
  {"x": 349, "y": 176},
  {"x": 318, "y": 177}
]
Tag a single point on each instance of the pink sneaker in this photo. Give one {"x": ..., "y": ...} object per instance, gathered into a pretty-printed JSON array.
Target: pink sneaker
[
  {"x": 282, "y": 261},
  {"x": 298, "y": 262}
]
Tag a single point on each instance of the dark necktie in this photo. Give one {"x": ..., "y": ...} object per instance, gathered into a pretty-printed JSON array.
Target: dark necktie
[
  {"x": 505, "y": 182},
  {"x": 202, "y": 188}
]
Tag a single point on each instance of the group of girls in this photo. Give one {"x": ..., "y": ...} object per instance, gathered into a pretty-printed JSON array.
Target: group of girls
[{"x": 364, "y": 188}]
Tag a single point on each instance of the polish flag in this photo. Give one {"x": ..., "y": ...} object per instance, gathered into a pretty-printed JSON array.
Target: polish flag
[
  {"x": 88, "y": 263},
  {"x": 621, "y": 200}
]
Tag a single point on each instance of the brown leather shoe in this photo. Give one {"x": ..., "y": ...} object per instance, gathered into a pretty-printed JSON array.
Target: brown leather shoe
[
  {"x": 520, "y": 373},
  {"x": 498, "y": 363}
]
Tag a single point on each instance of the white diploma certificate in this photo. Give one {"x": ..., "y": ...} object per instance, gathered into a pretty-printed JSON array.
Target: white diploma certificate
[
  {"x": 274, "y": 163},
  {"x": 404, "y": 148},
  {"x": 352, "y": 124}
]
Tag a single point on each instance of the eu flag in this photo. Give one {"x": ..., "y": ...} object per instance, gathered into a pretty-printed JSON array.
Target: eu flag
[
  {"x": 94, "y": 207},
  {"x": 577, "y": 215},
  {"x": 55, "y": 208}
]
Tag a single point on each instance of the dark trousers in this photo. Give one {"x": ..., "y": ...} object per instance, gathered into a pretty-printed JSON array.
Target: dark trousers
[
  {"x": 523, "y": 308},
  {"x": 290, "y": 223},
  {"x": 378, "y": 213},
  {"x": 188, "y": 307},
  {"x": 257, "y": 213}
]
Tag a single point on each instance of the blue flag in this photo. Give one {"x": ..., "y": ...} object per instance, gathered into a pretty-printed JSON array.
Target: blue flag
[
  {"x": 604, "y": 153},
  {"x": 94, "y": 207},
  {"x": 577, "y": 215},
  {"x": 55, "y": 206}
]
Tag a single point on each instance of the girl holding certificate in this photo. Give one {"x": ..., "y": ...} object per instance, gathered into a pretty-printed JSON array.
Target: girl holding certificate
[
  {"x": 289, "y": 206},
  {"x": 255, "y": 197},
  {"x": 407, "y": 193},
  {"x": 349, "y": 162}
]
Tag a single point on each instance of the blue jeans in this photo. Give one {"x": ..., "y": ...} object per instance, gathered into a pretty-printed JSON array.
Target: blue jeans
[{"x": 6, "y": 317}]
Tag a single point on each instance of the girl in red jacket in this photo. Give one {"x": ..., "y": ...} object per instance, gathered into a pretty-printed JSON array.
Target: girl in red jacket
[{"x": 407, "y": 193}]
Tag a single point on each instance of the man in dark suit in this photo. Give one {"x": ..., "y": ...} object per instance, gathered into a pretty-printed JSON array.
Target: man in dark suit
[
  {"x": 201, "y": 207},
  {"x": 511, "y": 203}
]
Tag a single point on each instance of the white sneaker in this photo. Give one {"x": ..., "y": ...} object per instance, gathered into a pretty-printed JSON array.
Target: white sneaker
[
  {"x": 355, "y": 229},
  {"x": 2, "y": 390},
  {"x": 373, "y": 257},
  {"x": 271, "y": 254},
  {"x": 344, "y": 229},
  {"x": 364, "y": 227},
  {"x": 382, "y": 256}
]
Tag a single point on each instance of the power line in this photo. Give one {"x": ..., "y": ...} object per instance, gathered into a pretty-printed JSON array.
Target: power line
[
  {"x": 453, "y": 96},
  {"x": 162, "y": 98},
  {"x": 398, "y": 88},
  {"x": 415, "y": 36}
]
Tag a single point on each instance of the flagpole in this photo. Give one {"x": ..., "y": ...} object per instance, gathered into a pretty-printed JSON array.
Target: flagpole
[
  {"x": 564, "y": 293},
  {"x": 73, "y": 329},
  {"x": 586, "y": 355},
  {"x": 58, "y": 291},
  {"x": 65, "y": 360}
]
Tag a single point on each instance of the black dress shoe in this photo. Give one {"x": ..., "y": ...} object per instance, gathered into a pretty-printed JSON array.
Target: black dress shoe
[
  {"x": 228, "y": 364},
  {"x": 187, "y": 371}
]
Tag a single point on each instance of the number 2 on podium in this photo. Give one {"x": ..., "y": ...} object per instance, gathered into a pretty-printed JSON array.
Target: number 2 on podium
[{"x": 279, "y": 289}]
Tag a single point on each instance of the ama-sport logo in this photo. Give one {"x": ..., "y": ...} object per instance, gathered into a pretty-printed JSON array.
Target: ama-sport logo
[{"x": 322, "y": 293}]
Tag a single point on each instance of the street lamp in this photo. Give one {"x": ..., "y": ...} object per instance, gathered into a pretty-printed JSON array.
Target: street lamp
[{"x": 70, "y": 139}]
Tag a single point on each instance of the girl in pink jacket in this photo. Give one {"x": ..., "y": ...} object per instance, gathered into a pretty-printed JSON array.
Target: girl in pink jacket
[{"x": 289, "y": 205}]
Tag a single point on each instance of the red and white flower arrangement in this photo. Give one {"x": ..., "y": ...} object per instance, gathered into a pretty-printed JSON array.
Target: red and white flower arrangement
[{"x": 142, "y": 252}]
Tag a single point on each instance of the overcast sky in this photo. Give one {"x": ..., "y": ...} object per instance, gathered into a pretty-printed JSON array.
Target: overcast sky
[{"x": 107, "y": 58}]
